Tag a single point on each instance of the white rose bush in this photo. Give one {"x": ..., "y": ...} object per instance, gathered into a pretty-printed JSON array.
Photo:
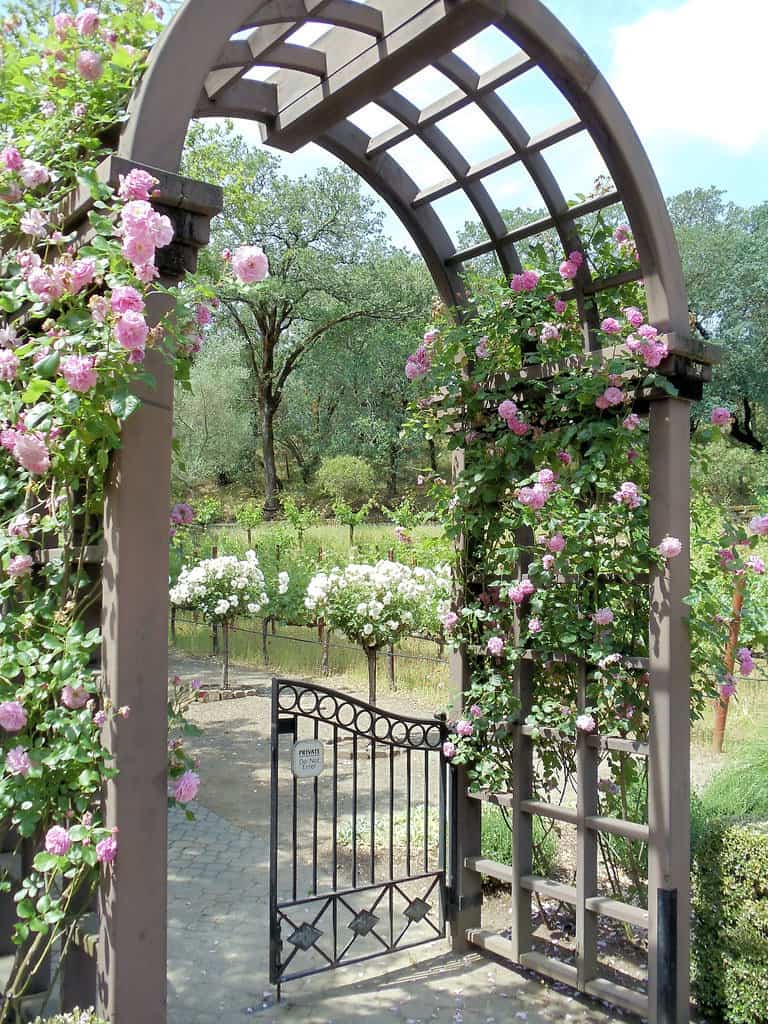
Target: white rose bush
[
  {"x": 222, "y": 589},
  {"x": 375, "y": 605}
]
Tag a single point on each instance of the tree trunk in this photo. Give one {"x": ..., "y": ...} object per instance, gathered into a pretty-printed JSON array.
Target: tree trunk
[
  {"x": 271, "y": 504},
  {"x": 371, "y": 653},
  {"x": 225, "y": 651},
  {"x": 432, "y": 448},
  {"x": 392, "y": 475},
  {"x": 729, "y": 663}
]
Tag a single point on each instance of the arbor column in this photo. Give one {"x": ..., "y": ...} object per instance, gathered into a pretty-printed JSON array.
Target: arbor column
[
  {"x": 131, "y": 949},
  {"x": 669, "y": 694}
]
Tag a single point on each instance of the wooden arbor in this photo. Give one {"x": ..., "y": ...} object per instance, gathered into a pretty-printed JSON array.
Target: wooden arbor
[{"x": 208, "y": 64}]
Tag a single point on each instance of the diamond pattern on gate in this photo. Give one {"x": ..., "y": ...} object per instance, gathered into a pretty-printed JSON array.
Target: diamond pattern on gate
[
  {"x": 363, "y": 923},
  {"x": 417, "y": 910},
  {"x": 305, "y": 937}
]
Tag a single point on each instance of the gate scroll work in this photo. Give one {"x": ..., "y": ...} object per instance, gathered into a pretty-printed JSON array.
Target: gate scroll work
[{"x": 357, "y": 831}]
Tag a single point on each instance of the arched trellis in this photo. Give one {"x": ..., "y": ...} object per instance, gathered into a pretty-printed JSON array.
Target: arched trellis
[{"x": 207, "y": 64}]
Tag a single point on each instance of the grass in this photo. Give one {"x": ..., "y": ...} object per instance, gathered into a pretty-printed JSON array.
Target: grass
[
  {"x": 301, "y": 656},
  {"x": 747, "y": 716}
]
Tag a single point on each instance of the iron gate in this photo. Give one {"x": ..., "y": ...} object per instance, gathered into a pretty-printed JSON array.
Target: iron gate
[{"x": 357, "y": 831}]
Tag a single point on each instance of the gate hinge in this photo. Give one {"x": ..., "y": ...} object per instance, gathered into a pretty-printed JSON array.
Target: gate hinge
[{"x": 454, "y": 906}]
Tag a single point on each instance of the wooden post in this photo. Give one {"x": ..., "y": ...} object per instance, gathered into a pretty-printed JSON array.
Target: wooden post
[
  {"x": 265, "y": 639},
  {"x": 465, "y": 908},
  {"x": 132, "y": 910},
  {"x": 669, "y": 805},
  {"x": 729, "y": 662},
  {"x": 225, "y": 627}
]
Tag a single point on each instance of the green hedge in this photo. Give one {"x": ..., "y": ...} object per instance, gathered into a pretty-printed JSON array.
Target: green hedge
[{"x": 730, "y": 937}]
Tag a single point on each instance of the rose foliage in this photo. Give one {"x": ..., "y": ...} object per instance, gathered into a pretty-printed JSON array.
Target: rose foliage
[{"x": 74, "y": 344}]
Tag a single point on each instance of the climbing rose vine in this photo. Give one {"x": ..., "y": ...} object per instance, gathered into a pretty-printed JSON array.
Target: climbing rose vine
[
  {"x": 550, "y": 511},
  {"x": 74, "y": 342}
]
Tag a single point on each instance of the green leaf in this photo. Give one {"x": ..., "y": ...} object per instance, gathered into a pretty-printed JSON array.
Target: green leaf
[
  {"x": 45, "y": 861},
  {"x": 36, "y": 390}
]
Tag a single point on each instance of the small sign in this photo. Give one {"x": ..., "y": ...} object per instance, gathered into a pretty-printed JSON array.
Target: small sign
[{"x": 307, "y": 759}]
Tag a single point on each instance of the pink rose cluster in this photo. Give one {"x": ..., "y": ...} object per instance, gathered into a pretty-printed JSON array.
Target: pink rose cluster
[
  {"x": 143, "y": 230},
  {"x": 418, "y": 364},
  {"x": 603, "y": 617},
  {"x": 518, "y": 592},
  {"x": 29, "y": 173},
  {"x": 570, "y": 268},
  {"x": 182, "y": 514},
  {"x": 64, "y": 277},
  {"x": 628, "y": 495},
  {"x": 510, "y": 414},
  {"x": 536, "y": 497},
  {"x": 449, "y": 621},
  {"x": 526, "y": 282},
  {"x": 611, "y": 396},
  {"x": 759, "y": 525},
  {"x": 746, "y": 661},
  {"x": 648, "y": 346}
]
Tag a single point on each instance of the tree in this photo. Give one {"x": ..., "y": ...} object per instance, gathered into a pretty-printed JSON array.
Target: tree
[
  {"x": 724, "y": 248},
  {"x": 328, "y": 268}
]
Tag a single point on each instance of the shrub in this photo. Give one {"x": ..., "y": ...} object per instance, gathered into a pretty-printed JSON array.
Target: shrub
[
  {"x": 346, "y": 477},
  {"x": 730, "y": 938},
  {"x": 496, "y": 841},
  {"x": 740, "y": 789}
]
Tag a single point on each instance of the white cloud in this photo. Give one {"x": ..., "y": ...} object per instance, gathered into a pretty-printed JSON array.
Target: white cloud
[{"x": 696, "y": 72}]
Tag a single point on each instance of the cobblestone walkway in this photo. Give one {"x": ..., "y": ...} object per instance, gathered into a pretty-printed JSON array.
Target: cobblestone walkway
[{"x": 218, "y": 922}]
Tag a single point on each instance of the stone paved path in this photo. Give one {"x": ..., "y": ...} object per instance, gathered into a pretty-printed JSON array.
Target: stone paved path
[{"x": 218, "y": 917}]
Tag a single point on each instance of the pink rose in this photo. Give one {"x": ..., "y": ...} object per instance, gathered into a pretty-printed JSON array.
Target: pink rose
[
  {"x": 621, "y": 233},
  {"x": 603, "y": 617},
  {"x": 17, "y": 761},
  {"x": 464, "y": 728},
  {"x": 62, "y": 23},
  {"x": 568, "y": 270},
  {"x": 81, "y": 274},
  {"x": 13, "y": 717},
  {"x": 21, "y": 565},
  {"x": 720, "y": 416},
  {"x": 634, "y": 316},
  {"x": 759, "y": 525},
  {"x": 131, "y": 330},
  {"x": 586, "y": 723},
  {"x": 57, "y": 841},
  {"x": 125, "y": 298},
  {"x": 610, "y": 325},
  {"x": 534, "y": 625},
  {"x": 525, "y": 282},
  {"x": 670, "y": 547},
  {"x": 632, "y": 422},
  {"x": 476, "y": 711},
  {"x": 89, "y": 65},
  {"x": 87, "y": 21},
  {"x": 449, "y": 620},
  {"x": 449, "y": 749},
  {"x": 106, "y": 850},
  {"x": 79, "y": 372},
  {"x": 249, "y": 264},
  {"x": 34, "y": 174},
  {"x": 756, "y": 564},
  {"x": 137, "y": 184},
  {"x": 560, "y": 306},
  {"x": 556, "y": 543},
  {"x": 74, "y": 697},
  {"x": 11, "y": 159},
  {"x": 565, "y": 458},
  {"x": 495, "y": 646},
  {"x": 31, "y": 452},
  {"x": 9, "y": 364},
  {"x": 186, "y": 787}
]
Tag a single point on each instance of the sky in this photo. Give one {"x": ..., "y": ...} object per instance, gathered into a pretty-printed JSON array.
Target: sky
[{"x": 690, "y": 73}]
